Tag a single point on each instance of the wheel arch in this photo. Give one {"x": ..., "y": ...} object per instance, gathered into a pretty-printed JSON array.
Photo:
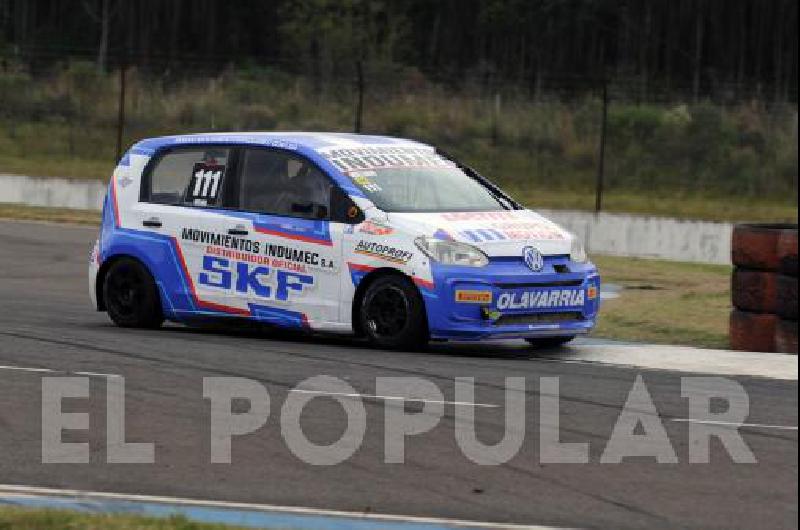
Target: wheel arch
[
  {"x": 361, "y": 290},
  {"x": 103, "y": 270}
]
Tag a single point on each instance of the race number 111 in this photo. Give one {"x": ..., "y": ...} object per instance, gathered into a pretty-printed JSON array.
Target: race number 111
[{"x": 206, "y": 182}]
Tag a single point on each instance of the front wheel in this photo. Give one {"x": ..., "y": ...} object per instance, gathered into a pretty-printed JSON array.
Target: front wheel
[
  {"x": 392, "y": 314},
  {"x": 548, "y": 342},
  {"x": 131, "y": 296}
]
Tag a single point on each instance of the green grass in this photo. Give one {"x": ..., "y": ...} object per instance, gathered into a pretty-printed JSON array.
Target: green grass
[
  {"x": 26, "y": 519},
  {"x": 709, "y": 208},
  {"x": 704, "y": 161},
  {"x": 665, "y": 302},
  {"x": 56, "y": 166},
  {"x": 53, "y": 215}
]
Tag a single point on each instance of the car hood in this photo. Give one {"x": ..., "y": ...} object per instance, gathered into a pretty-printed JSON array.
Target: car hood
[{"x": 501, "y": 233}]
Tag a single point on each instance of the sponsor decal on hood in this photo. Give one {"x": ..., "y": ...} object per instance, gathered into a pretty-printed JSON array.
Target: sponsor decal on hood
[{"x": 497, "y": 233}]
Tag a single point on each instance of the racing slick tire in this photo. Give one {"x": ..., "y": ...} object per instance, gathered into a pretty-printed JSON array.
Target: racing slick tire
[
  {"x": 131, "y": 296},
  {"x": 786, "y": 304},
  {"x": 392, "y": 314},
  {"x": 787, "y": 252},
  {"x": 786, "y": 336},
  {"x": 752, "y": 331},
  {"x": 755, "y": 246},
  {"x": 754, "y": 291},
  {"x": 548, "y": 342}
]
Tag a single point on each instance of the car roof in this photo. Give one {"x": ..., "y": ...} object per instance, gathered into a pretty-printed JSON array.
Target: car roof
[{"x": 315, "y": 141}]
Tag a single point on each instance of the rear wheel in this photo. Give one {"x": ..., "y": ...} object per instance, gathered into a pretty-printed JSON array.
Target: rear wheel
[
  {"x": 548, "y": 342},
  {"x": 131, "y": 296},
  {"x": 392, "y": 314}
]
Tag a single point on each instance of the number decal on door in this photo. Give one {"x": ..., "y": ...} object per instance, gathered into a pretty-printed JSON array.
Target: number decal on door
[{"x": 205, "y": 184}]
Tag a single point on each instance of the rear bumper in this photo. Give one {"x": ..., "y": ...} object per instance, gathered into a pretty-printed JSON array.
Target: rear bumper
[{"x": 488, "y": 314}]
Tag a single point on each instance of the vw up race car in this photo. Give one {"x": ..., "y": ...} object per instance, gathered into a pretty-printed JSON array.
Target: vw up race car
[{"x": 371, "y": 235}]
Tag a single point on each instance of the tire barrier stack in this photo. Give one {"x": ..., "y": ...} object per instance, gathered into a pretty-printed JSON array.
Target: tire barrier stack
[{"x": 764, "y": 288}]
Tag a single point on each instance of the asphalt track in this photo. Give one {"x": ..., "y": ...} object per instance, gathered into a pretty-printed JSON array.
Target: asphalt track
[{"x": 46, "y": 323}]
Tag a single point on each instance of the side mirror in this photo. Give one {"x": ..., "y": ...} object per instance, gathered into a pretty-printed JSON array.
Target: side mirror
[{"x": 343, "y": 209}]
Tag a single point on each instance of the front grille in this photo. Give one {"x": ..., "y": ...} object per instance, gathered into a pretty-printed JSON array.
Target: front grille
[
  {"x": 538, "y": 318},
  {"x": 560, "y": 283}
]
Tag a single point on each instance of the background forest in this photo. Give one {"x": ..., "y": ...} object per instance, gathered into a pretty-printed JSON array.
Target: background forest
[{"x": 699, "y": 97}]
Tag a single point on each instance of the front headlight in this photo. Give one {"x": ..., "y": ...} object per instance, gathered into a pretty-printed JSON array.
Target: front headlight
[
  {"x": 577, "y": 253},
  {"x": 451, "y": 252}
]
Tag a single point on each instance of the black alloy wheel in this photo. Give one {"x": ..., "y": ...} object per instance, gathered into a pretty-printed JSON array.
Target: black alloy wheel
[
  {"x": 131, "y": 296},
  {"x": 393, "y": 314}
]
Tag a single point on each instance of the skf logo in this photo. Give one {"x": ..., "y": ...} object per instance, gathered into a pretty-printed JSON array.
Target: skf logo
[
  {"x": 474, "y": 297},
  {"x": 245, "y": 278},
  {"x": 591, "y": 292}
]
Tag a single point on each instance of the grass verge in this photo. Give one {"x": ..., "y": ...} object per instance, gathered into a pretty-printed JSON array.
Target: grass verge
[
  {"x": 665, "y": 302},
  {"x": 25, "y": 519},
  {"x": 699, "y": 207},
  {"x": 662, "y": 301},
  {"x": 55, "y": 215}
]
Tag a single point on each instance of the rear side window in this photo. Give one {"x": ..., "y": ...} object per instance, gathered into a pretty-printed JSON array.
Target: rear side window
[
  {"x": 190, "y": 176},
  {"x": 279, "y": 183}
]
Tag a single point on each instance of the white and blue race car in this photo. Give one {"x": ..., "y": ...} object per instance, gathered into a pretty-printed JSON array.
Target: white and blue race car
[{"x": 382, "y": 237}]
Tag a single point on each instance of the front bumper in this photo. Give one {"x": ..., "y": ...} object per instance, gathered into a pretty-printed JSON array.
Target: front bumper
[
  {"x": 506, "y": 299},
  {"x": 94, "y": 267}
]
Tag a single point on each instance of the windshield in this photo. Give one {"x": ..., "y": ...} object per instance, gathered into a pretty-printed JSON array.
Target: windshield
[
  {"x": 424, "y": 189},
  {"x": 414, "y": 178}
]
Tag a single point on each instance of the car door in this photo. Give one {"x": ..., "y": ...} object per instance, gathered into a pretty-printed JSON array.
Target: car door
[
  {"x": 185, "y": 193},
  {"x": 286, "y": 197}
]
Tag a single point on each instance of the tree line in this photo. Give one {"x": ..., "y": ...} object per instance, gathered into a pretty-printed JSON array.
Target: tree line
[{"x": 694, "y": 46}]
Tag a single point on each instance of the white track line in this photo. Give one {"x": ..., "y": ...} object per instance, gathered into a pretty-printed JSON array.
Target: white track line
[
  {"x": 26, "y": 369},
  {"x": 51, "y": 371},
  {"x": 12, "y": 490},
  {"x": 96, "y": 374},
  {"x": 392, "y": 398},
  {"x": 732, "y": 424}
]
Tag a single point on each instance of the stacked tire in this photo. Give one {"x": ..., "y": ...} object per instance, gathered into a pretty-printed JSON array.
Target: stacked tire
[{"x": 764, "y": 288}]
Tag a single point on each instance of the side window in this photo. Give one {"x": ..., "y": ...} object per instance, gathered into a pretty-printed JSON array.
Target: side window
[
  {"x": 190, "y": 176},
  {"x": 282, "y": 184}
]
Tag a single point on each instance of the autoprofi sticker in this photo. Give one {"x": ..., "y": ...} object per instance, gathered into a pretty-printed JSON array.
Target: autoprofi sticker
[{"x": 384, "y": 252}]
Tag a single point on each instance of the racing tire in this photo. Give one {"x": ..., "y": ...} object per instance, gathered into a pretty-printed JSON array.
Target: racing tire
[
  {"x": 752, "y": 331},
  {"x": 392, "y": 314},
  {"x": 787, "y": 253},
  {"x": 754, "y": 291},
  {"x": 131, "y": 296},
  {"x": 755, "y": 246},
  {"x": 786, "y": 336},
  {"x": 548, "y": 342},
  {"x": 786, "y": 305}
]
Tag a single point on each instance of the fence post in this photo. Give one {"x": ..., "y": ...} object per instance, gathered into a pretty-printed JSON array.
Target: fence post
[
  {"x": 121, "y": 109},
  {"x": 360, "y": 89},
  {"x": 598, "y": 198}
]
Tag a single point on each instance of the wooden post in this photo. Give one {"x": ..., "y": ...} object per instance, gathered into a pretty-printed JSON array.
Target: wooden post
[
  {"x": 121, "y": 109},
  {"x": 598, "y": 199},
  {"x": 360, "y": 90}
]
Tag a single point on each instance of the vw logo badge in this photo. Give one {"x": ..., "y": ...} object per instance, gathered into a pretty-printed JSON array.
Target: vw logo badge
[{"x": 533, "y": 259}]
